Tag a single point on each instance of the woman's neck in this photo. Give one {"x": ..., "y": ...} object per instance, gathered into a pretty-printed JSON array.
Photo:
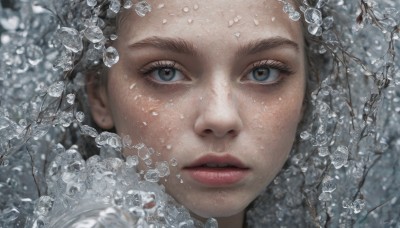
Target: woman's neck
[{"x": 235, "y": 221}]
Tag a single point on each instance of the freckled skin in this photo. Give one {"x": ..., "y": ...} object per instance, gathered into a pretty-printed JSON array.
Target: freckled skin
[{"x": 211, "y": 110}]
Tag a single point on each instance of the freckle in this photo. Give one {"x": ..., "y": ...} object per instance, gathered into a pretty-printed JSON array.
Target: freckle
[
  {"x": 273, "y": 19},
  {"x": 164, "y": 21},
  {"x": 256, "y": 22},
  {"x": 132, "y": 86},
  {"x": 185, "y": 9},
  {"x": 160, "y": 6},
  {"x": 230, "y": 23},
  {"x": 196, "y": 7},
  {"x": 190, "y": 20}
]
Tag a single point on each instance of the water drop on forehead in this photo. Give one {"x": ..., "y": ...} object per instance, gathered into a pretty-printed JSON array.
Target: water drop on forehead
[
  {"x": 185, "y": 9},
  {"x": 256, "y": 22}
]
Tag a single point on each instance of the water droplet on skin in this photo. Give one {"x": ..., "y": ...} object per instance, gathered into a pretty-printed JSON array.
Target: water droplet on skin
[
  {"x": 256, "y": 22},
  {"x": 164, "y": 21},
  {"x": 185, "y": 9},
  {"x": 196, "y": 7},
  {"x": 174, "y": 162},
  {"x": 169, "y": 147},
  {"x": 144, "y": 123},
  {"x": 230, "y": 23},
  {"x": 190, "y": 20},
  {"x": 154, "y": 113},
  {"x": 280, "y": 98},
  {"x": 182, "y": 117},
  {"x": 273, "y": 19},
  {"x": 160, "y": 6},
  {"x": 236, "y": 19},
  {"x": 132, "y": 86},
  {"x": 237, "y": 34}
]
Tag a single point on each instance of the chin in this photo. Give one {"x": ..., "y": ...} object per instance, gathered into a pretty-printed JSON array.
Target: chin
[{"x": 217, "y": 210}]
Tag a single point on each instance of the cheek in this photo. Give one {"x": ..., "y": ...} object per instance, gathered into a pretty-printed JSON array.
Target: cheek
[{"x": 148, "y": 120}]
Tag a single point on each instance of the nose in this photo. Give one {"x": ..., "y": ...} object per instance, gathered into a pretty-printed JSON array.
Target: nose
[{"x": 218, "y": 114}]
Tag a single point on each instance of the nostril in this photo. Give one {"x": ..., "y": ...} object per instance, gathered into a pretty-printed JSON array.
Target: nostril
[{"x": 208, "y": 131}]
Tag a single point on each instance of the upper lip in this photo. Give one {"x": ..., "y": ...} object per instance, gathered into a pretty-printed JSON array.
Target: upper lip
[{"x": 212, "y": 159}]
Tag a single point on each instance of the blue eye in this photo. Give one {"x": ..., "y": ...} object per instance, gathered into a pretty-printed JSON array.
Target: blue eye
[
  {"x": 163, "y": 72},
  {"x": 166, "y": 74},
  {"x": 264, "y": 75}
]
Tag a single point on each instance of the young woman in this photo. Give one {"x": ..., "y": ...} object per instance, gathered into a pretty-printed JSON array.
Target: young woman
[
  {"x": 204, "y": 100},
  {"x": 224, "y": 101}
]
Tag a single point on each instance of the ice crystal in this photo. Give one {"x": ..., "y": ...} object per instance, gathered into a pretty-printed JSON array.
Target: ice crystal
[
  {"x": 142, "y": 8},
  {"x": 110, "y": 56},
  {"x": 70, "y": 38},
  {"x": 94, "y": 34}
]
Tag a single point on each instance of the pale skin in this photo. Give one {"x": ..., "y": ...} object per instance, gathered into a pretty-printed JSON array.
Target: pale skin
[{"x": 192, "y": 84}]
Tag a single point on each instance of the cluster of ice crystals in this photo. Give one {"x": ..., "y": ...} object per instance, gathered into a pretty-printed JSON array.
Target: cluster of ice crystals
[{"x": 290, "y": 10}]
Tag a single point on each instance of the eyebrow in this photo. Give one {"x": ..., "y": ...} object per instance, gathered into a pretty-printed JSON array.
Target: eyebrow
[
  {"x": 267, "y": 44},
  {"x": 177, "y": 45},
  {"x": 182, "y": 46}
]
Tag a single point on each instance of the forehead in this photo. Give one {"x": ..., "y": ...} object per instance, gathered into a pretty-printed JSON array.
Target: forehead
[{"x": 228, "y": 20}]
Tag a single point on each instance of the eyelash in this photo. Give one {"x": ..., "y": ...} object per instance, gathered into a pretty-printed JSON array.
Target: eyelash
[
  {"x": 273, "y": 64},
  {"x": 158, "y": 66}
]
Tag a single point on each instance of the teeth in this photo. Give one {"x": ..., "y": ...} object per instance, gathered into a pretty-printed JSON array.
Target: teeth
[{"x": 212, "y": 165}]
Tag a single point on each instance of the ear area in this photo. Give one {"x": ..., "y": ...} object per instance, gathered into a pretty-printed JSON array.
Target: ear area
[{"x": 98, "y": 102}]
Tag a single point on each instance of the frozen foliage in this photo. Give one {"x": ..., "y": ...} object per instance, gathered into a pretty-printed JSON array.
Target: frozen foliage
[{"x": 349, "y": 141}]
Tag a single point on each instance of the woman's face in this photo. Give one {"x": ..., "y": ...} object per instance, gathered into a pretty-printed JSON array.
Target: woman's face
[{"x": 217, "y": 85}]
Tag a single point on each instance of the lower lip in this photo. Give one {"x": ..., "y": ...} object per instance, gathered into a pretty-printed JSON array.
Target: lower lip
[{"x": 217, "y": 176}]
